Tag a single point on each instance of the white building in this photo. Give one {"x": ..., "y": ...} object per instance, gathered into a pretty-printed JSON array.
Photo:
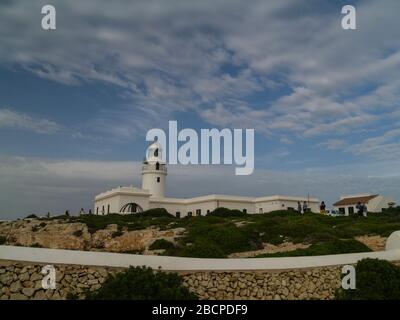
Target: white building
[
  {"x": 125, "y": 200},
  {"x": 374, "y": 203}
]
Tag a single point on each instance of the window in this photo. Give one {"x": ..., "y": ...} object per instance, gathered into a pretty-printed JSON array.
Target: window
[
  {"x": 342, "y": 211},
  {"x": 108, "y": 209},
  {"x": 351, "y": 210},
  {"x": 260, "y": 210},
  {"x": 102, "y": 210},
  {"x": 97, "y": 210},
  {"x": 244, "y": 210},
  {"x": 190, "y": 214},
  {"x": 178, "y": 214},
  {"x": 198, "y": 212},
  {"x": 158, "y": 179},
  {"x": 208, "y": 211},
  {"x": 157, "y": 166}
]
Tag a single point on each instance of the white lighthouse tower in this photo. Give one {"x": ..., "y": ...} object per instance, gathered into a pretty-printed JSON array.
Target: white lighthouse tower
[{"x": 154, "y": 171}]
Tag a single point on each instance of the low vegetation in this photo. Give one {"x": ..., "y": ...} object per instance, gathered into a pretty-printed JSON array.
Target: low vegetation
[
  {"x": 323, "y": 248},
  {"x": 219, "y": 234},
  {"x": 161, "y": 244},
  {"x": 32, "y": 216},
  {"x": 224, "y": 212},
  {"x": 142, "y": 283},
  {"x": 116, "y": 234},
  {"x": 375, "y": 280},
  {"x": 78, "y": 233}
]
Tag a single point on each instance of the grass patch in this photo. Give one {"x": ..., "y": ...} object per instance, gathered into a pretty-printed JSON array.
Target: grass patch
[
  {"x": 161, "y": 244},
  {"x": 323, "y": 248},
  {"x": 3, "y": 240}
]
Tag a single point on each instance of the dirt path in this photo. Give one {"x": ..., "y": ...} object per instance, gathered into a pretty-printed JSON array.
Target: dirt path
[{"x": 375, "y": 243}]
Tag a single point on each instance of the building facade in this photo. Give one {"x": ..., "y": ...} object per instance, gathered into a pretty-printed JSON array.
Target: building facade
[
  {"x": 374, "y": 203},
  {"x": 127, "y": 200}
]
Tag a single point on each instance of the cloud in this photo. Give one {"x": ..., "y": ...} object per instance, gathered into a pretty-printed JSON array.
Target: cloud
[
  {"x": 285, "y": 68},
  {"x": 16, "y": 120}
]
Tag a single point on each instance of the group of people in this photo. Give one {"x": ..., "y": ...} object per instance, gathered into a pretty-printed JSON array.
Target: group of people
[
  {"x": 361, "y": 210},
  {"x": 302, "y": 208}
]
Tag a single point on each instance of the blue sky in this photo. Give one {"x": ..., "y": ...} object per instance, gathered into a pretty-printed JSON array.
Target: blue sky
[{"x": 76, "y": 103}]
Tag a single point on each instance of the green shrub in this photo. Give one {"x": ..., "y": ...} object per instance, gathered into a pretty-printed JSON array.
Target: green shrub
[
  {"x": 133, "y": 251},
  {"x": 375, "y": 280},
  {"x": 136, "y": 226},
  {"x": 224, "y": 212},
  {"x": 156, "y": 212},
  {"x": 201, "y": 248},
  {"x": 78, "y": 233},
  {"x": 32, "y": 216},
  {"x": 72, "y": 296},
  {"x": 142, "y": 283},
  {"x": 323, "y": 248},
  {"x": 3, "y": 240},
  {"x": 161, "y": 244},
  {"x": 117, "y": 234},
  {"x": 36, "y": 245}
]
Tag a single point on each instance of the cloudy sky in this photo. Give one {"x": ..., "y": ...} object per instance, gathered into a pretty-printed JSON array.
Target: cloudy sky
[{"x": 76, "y": 103}]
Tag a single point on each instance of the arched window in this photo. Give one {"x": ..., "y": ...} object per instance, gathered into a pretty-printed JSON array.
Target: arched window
[
  {"x": 131, "y": 208},
  {"x": 156, "y": 152},
  {"x": 157, "y": 165}
]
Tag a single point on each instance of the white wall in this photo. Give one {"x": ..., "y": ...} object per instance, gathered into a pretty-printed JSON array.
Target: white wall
[
  {"x": 57, "y": 256},
  {"x": 274, "y": 205},
  {"x": 117, "y": 201},
  {"x": 379, "y": 203}
]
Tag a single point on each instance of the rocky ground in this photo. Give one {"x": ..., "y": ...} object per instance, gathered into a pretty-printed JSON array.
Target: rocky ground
[{"x": 59, "y": 234}]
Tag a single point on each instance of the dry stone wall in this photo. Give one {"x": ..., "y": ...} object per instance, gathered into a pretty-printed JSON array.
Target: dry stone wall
[{"x": 24, "y": 281}]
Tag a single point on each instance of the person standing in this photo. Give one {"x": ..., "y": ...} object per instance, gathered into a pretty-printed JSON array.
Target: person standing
[
  {"x": 305, "y": 207},
  {"x": 298, "y": 206},
  {"x": 360, "y": 209},
  {"x": 322, "y": 207},
  {"x": 365, "y": 210}
]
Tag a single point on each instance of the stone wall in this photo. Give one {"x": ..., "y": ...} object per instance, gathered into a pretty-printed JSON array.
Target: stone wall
[
  {"x": 316, "y": 283},
  {"x": 24, "y": 281}
]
